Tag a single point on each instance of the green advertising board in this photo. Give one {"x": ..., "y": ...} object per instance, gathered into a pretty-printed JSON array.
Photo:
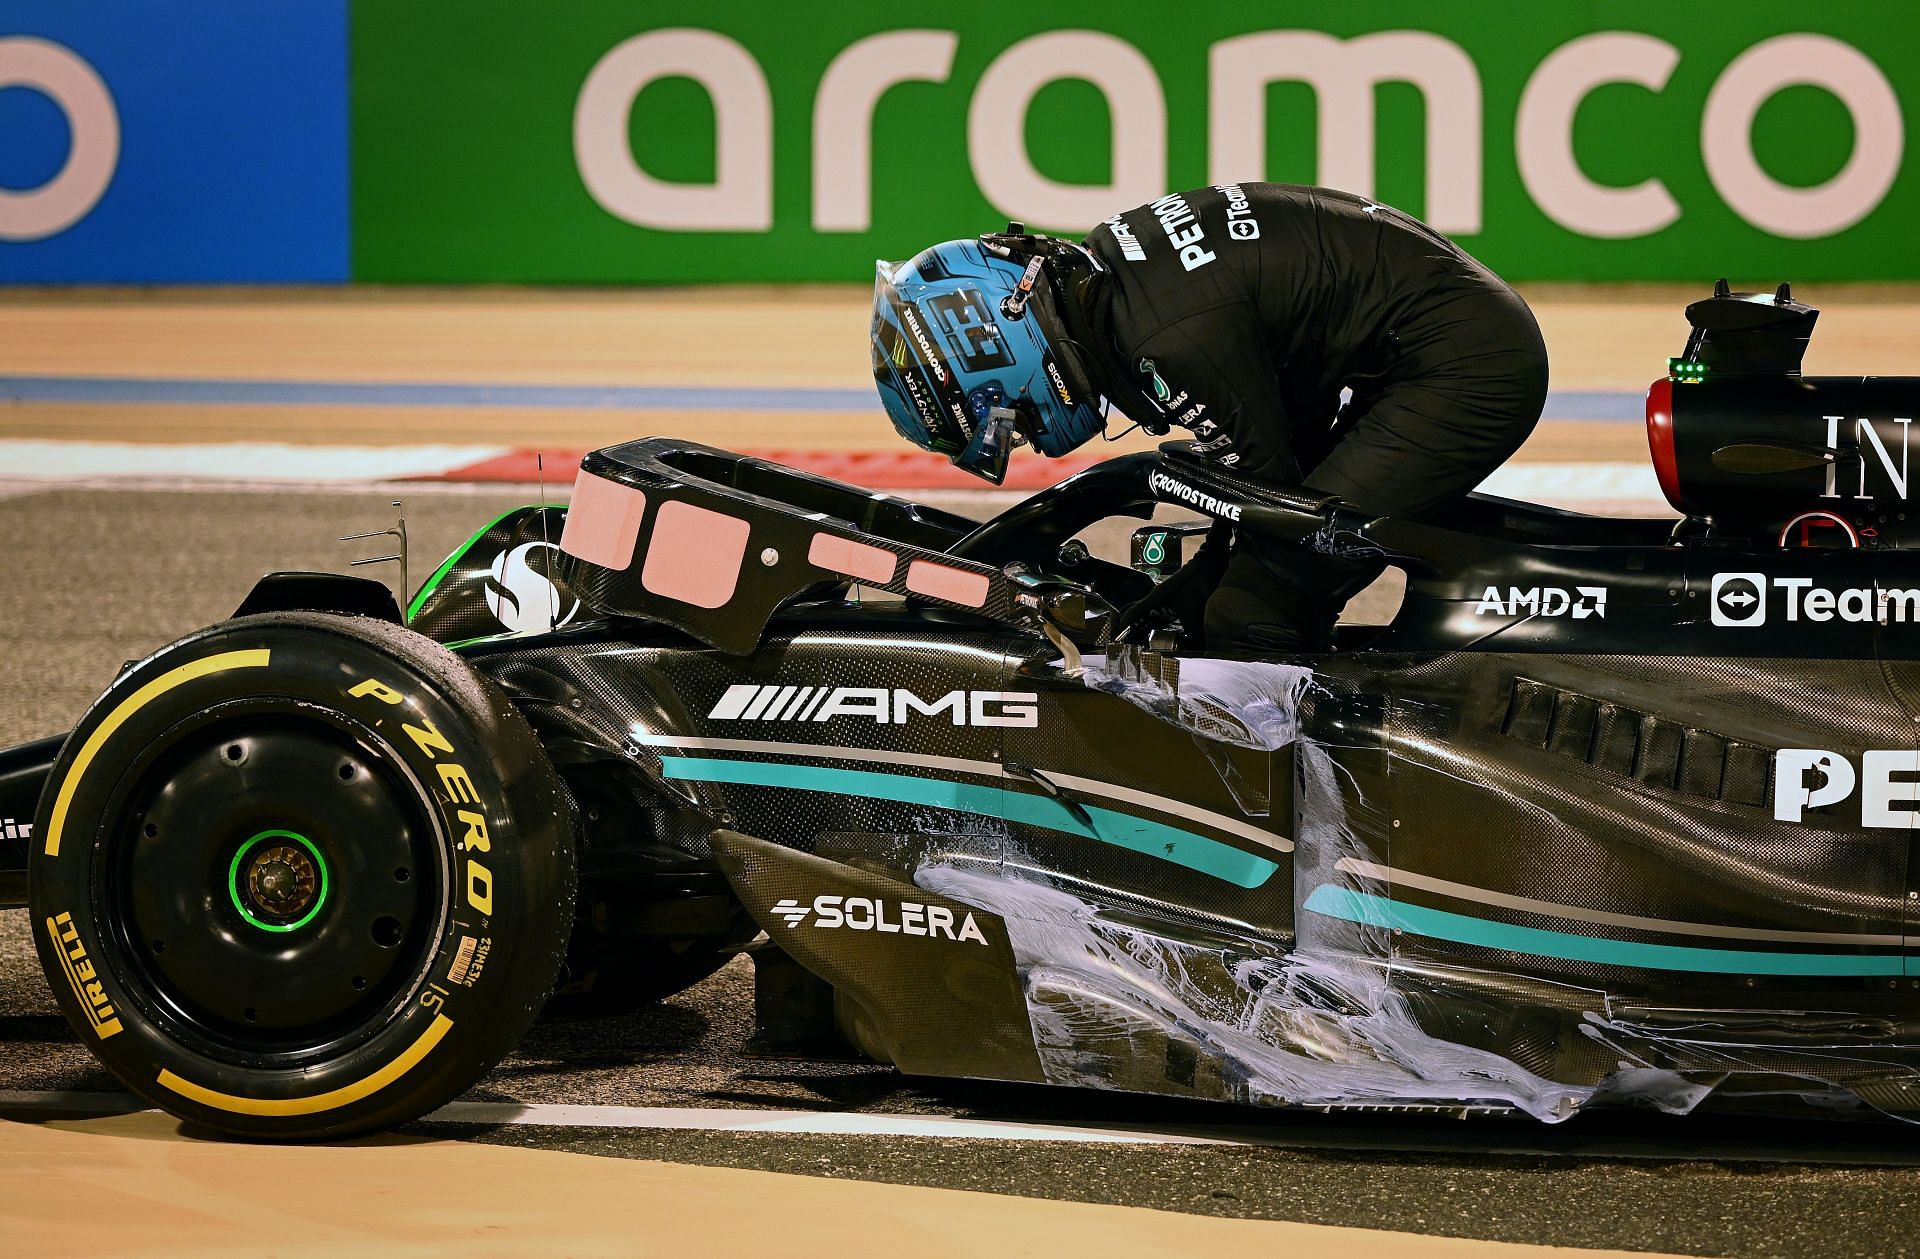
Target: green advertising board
[{"x": 746, "y": 140}]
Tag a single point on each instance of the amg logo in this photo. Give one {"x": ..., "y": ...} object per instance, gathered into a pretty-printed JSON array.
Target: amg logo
[
  {"x": 87, "y": 988},
  {"x": 11, "y": 829},
  {"x": 748, "y": 701},
  {"x": 1810, "y": 778},
  {"x": 1581, "y": 603},
  {"x": 861, "y": 913},
  {"x": 1161, "y": 483}
]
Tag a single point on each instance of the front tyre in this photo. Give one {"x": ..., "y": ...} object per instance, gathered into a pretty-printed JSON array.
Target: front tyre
[{"x": 300, "y": 876}]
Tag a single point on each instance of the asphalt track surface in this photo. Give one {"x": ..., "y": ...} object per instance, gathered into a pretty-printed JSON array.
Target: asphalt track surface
[{"x": 92, "y": 577}]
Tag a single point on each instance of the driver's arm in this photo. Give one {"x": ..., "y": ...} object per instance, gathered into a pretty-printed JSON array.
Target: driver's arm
[{"x": 1221, "y": 384}]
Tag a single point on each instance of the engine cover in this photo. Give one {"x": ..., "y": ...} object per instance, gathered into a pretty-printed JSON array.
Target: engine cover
[{"x": 1755, "y": 453}]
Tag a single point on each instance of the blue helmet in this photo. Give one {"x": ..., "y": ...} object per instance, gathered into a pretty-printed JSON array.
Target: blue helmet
[{"x": 973, "y": 351}]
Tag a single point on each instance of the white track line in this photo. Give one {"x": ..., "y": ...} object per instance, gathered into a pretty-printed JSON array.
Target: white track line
[
  {"x": 48, "y": 461},
  {"x": 1575, "y": 482},
  {"x": 820, "y": 1123},
  {"x": 529, "y": 491},
  {"x": 690, "y": 1119},
  {"x": 253, "y": 461}
]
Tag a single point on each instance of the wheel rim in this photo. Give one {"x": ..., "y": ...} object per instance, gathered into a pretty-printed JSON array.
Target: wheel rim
[
  {"x": 278, "y": 886},
  {"x": 274, "y": 878}
]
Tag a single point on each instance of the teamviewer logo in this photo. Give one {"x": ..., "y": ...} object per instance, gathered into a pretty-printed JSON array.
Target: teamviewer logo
[{"x": 1739, "y": 599}]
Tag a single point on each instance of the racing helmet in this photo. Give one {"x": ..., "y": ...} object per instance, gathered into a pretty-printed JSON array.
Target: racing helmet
[{"x": 978, "y": 348}]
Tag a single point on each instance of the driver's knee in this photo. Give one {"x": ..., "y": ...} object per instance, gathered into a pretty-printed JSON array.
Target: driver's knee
[
  {"x": 1270, "y": 604},
  {"x": 1259, "y": 608}
]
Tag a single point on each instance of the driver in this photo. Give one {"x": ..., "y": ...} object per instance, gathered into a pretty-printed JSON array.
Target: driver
[{"x": 1305, "y": 337}]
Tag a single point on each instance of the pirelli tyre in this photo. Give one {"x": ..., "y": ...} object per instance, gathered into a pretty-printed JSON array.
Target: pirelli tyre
[{"x": 299, "y": 876}]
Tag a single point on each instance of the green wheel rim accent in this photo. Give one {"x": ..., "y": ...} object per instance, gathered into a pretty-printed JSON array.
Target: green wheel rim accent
[{"x": 233, "y": 880}]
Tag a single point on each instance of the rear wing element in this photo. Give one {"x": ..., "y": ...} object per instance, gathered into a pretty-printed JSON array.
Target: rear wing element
[{"x": 712, "y": 543}]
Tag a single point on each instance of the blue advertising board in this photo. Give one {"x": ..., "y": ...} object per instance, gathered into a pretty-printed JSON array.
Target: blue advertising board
[{"x": 202, "y": 141}]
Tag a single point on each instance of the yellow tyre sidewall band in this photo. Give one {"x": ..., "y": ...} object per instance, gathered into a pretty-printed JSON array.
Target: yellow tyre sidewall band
[
  {"x": 255, "y": 658},
  {"x": 342, "y": 1096}
]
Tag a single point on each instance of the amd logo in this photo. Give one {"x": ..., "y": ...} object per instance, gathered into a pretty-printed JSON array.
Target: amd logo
[
  {"x": 863, "y": 913},
  {"x": 748, "y": 701},
  {"x": 1579, "y": 603},
  {"x": 1810, "y": 778}
]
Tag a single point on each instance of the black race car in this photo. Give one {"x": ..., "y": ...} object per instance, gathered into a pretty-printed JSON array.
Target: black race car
[{"x": 1612, "y": 811}]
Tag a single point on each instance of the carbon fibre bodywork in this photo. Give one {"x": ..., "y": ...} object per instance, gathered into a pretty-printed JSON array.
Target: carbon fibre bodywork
[
  {"x": 1501, "y": 854},
  {"x": 1580, "y": 826}
]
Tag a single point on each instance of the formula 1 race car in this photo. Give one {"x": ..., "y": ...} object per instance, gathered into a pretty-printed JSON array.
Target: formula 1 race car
[{"x": 1612, "y": 810}]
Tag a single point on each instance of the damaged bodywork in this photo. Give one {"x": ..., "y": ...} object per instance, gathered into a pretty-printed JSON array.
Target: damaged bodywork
[
  {"x": 1612, "y": 811},
  {"x": 1431, "y": 872}
]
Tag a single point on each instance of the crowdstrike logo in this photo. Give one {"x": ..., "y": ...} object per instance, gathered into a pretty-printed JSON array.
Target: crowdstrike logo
[
  {"x": 1749, "y": 599},
  {"x": 747, "y": 701},
  {"x": 865, "y": 913},
  {"x": 928, "y": 355},
  {"x": 1162, "y": 484}
]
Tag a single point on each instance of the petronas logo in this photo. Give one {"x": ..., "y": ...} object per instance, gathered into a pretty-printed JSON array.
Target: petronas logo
[{"x": 1161, "y": 393}]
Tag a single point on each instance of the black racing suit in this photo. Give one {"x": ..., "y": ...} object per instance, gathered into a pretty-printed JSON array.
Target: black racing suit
[{"x": 1242, "y": 313}]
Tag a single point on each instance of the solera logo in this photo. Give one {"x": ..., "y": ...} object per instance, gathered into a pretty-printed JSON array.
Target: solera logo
[
  {"x": 1810, "y": 778},
  {"x": 862, "y": 913},
  {"x": 747, "y": 701}
]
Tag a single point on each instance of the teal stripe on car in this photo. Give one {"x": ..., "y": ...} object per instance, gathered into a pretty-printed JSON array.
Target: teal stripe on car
[
  {"x": 1122, "y": 830},
  {"x": 1439, "y": 924}
]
